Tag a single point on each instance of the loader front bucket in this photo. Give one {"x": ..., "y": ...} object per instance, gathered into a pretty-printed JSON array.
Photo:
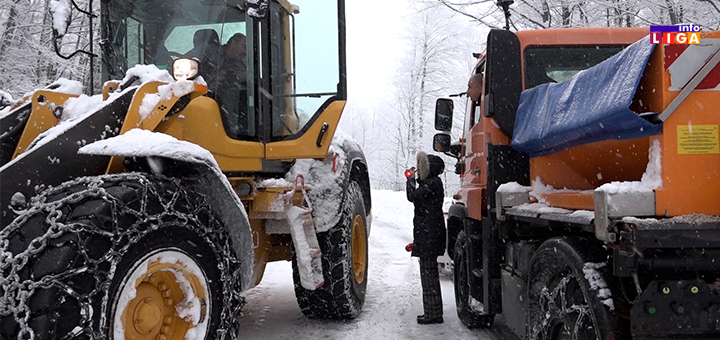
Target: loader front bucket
[
  {"x": 55, "y": 161},
  {"x": 12, "y": 126}
]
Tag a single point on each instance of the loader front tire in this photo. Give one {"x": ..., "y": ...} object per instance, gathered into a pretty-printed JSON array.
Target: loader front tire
[
  {"x": 119, "y": 256},
  {"x": 344, "y": 260}
]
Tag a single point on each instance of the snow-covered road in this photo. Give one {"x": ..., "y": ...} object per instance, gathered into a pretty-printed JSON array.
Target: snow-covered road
[{"x": 393, "y": 293}]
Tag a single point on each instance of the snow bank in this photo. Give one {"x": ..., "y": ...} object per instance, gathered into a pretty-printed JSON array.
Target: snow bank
[{"x": 393, "y": 206}]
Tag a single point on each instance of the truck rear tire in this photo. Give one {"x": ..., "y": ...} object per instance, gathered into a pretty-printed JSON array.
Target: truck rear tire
[
  {"x": 469, "y": 317},
  {"x": 119, "y": 256},
  {"x": 563, "y": 304},
  {"x": 344, "y": 261}
]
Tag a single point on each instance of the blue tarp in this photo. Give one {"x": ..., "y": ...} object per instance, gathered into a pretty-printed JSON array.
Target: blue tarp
[{"x": 593, "y": 105}]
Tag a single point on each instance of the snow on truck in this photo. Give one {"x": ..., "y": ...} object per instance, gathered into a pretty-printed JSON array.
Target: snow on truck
[
  {"x": 590, "y": 186},
  {"x": 145, "y": 212}
]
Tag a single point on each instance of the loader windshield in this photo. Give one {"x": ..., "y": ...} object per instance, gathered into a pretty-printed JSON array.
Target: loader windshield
[{"x": 270, "y": 76}]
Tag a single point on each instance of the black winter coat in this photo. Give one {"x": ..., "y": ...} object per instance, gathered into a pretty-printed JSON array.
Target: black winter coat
[{"x": 428, "y": 223}]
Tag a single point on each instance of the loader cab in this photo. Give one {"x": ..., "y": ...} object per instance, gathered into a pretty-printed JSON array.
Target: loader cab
[{"x": 292, "y": 70}]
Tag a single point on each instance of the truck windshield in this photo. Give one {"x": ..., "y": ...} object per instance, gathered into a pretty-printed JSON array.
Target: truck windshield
[{"x": 555, "y": 64}]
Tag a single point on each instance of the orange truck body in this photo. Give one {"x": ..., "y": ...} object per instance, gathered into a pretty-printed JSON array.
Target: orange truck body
[{"x": 499, "y": 241}]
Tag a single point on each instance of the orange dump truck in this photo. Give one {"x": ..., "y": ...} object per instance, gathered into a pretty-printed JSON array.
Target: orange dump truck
[{"x": 590, "y": 186}]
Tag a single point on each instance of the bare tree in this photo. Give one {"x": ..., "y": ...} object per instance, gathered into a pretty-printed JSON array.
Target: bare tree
[
  {"x": 27, "y": 58},
  {"x": 538, "y": 14},
  {"x": 436, "y": 64}
]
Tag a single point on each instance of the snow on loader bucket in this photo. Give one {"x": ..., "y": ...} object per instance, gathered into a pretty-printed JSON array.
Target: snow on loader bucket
[
  {"x": 41, "y": 164},
  {"x": 12, "y": 125}
]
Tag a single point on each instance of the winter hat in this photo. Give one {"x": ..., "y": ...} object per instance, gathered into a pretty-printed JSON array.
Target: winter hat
[
  {"x": 437, "y": 165},
  {"x": 423, "y": 165}
]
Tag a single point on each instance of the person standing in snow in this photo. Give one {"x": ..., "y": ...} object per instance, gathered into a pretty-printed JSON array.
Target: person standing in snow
[{"x": 429, "y": 234}]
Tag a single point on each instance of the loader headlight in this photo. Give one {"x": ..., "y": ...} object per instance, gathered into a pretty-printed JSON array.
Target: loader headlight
[
  {"x": 244, "y": 189},
  {"x": 185, "y": 69}
]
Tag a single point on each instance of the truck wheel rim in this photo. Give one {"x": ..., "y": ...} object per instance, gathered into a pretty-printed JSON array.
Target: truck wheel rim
[
  {"x": 164, "y": 297},
  {"x": 567, "y": 314},
  {"x": 359, "y": 248}
]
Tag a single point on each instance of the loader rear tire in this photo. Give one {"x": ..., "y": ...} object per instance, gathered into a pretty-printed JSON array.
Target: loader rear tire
[
  {"x": 469, "y": 317},
  {"x": 563, "y": 303},
  {"x": 344, "y": 261},
  {"x": 119, "y": 256}
]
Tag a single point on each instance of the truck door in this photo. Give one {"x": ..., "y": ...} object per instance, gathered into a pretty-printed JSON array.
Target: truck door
[{"x": 474, "y": 176}]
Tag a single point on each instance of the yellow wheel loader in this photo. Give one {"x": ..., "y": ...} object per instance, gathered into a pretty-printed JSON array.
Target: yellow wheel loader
[{"x": 144, "y": 211}]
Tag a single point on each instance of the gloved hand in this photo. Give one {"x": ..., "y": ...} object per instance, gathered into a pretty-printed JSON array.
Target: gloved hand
[
  {"x": 409, "y": 173},
  {"x": 409, "y": 247}
]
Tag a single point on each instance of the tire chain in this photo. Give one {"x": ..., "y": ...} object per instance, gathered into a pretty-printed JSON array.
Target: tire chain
[
  {"x": 549, "y": 309},
  {"x": 16, "y": 292}
]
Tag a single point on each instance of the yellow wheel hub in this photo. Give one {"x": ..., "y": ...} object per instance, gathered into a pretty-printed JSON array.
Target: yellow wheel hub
[
  {"x": 359, "y": 248},
  {"x": 152, "y": 314}
]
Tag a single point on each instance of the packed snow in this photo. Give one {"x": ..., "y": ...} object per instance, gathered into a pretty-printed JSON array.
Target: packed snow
[
  {"x": 650, "y": 180},
  {"x": 598, "y": 284},
  {"x": 393, "y": 297}
]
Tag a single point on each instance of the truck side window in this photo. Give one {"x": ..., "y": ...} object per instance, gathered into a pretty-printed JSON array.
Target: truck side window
[{"x": 476, "y": 111}]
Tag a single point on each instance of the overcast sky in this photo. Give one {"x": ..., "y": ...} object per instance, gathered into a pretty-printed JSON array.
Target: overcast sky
[{"x": 374, "y": 45}]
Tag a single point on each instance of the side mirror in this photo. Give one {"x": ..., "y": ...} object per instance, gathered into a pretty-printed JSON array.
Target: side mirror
[
  {"x": 443, "y": 115},
  {"x": 504, "y": 78},
  {"x": 441, "y": 142}
]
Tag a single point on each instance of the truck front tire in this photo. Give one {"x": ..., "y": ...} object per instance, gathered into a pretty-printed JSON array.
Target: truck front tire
[
  {"x": 563, "y": 303},
  {"x": 344, "y": 261}
]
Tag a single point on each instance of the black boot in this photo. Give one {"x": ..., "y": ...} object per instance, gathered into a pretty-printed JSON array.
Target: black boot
[{"x": 423, "y": 320}]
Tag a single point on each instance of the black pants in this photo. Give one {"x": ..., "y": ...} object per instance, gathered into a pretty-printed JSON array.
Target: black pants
[{"x": 430, "y": 281}]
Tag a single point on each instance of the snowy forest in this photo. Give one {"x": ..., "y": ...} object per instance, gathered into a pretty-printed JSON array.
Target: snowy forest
[{"x": 433, "y": 60}]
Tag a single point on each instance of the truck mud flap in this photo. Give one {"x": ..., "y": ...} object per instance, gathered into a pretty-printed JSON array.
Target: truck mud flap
[
  {"x": 57, "y": 161},
  {"x": 11, "y": 128}
]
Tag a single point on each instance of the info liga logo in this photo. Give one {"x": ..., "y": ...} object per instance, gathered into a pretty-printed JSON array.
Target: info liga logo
[{"x": 679, "y": 34}]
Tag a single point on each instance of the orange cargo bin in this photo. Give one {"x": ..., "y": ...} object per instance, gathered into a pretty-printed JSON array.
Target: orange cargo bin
[{"x": 689, "y": 143}]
